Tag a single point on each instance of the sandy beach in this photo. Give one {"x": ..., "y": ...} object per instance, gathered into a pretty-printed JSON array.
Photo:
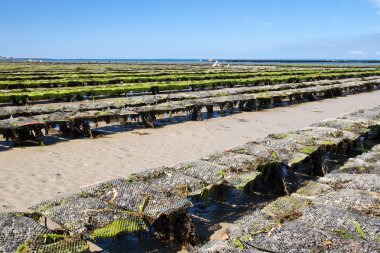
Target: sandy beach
[{"x": 33, "y": 174}]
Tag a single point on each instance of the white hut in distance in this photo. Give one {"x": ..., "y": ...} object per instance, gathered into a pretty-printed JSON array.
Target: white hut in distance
[{"x": 217, "y": 64}]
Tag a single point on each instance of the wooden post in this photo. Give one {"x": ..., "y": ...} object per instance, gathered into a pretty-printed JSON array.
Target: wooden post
[{"x": 196, "y": 113}]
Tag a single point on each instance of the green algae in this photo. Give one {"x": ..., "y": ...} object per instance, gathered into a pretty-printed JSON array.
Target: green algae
[
  {"x": 309, "y": 150},
  {"x": 279, "y": 136},
  {"x": 297, "y": 160},
  {"x": 343, "y": 233},
  {"x": 120, "y": 227},
  {"x": 328, "y": 143},
  {"x": 47, "y": 243}
]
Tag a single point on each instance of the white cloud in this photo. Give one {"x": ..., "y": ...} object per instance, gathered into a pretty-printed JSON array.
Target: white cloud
[
  {"x": 357, "y": 52},
  {"x": 378, "y": 53},
  {"x": 376, "y": 2}
]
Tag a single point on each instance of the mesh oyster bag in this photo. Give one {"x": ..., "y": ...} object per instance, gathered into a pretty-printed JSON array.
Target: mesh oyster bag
[
  {"x": 16, "y": 228},
  {"x": 81, "y": 214},
  {"x": 150, "y": 200}
]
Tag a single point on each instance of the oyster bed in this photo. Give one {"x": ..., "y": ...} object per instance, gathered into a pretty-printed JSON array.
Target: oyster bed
[
  {"x": 78, "y": 120},
  {"x": 158, "y": 202},
  {"x": 337, "y": 213}
]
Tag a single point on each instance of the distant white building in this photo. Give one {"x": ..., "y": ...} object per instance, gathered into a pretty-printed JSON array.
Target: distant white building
[{"x": 217, "y": 64}]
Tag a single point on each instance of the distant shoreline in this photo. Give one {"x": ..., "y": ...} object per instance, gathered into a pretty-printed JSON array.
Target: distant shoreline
[{"x": 203, "y": 61}]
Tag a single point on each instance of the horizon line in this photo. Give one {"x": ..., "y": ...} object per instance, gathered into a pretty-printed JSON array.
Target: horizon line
[{"x": 198, "y": 59}]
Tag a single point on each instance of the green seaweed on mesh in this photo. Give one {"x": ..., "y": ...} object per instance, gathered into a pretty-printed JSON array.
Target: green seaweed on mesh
[
  {"x": 294, "y": 236},
  {"x": 242, "y": 169},
  {"x": 250, "y": 226},
  {"x": 42, "y": 239},
  {"x": 356, "y": 166},
  {"x": 297, "y": 160},
  {"x": 54, "y": 243},
  {"x": 313, "y": 189},
  {"x": 286, "y": 208},
  {"x": 278, "y": 136},
  {"x": 16, "y": 228},
  {"x": 334, "y": 219},
  {"x": 148, "y": 174},
  {"x": 118, "y": 227},
  {"x": 358, "y": 127},
  {"x": 345, "y": 234},
  {"x": 254, "y": 149},
  {"x": 301, "y": 138},
  {"x": 14, "y": 123},
  {"x": 289, "y": 151},
  {"x": 309, "y": 150},
  {"x": 329, "y": 137},
  {"x": 235, "y": 162},
  {"x": 240, "y": 181},
  {"x": 79, "y": 214},
  {"x": 366, "y": 163}
]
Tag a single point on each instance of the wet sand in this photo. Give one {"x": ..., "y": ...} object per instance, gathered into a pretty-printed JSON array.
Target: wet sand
[{"x": 33, "y": 174}]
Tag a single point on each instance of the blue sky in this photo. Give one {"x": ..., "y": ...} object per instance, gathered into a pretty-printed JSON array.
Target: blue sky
[{"x": 244, "y": 29}]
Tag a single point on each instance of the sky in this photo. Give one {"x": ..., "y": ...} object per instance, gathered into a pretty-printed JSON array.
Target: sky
[{"x": 190, "y": 29}]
